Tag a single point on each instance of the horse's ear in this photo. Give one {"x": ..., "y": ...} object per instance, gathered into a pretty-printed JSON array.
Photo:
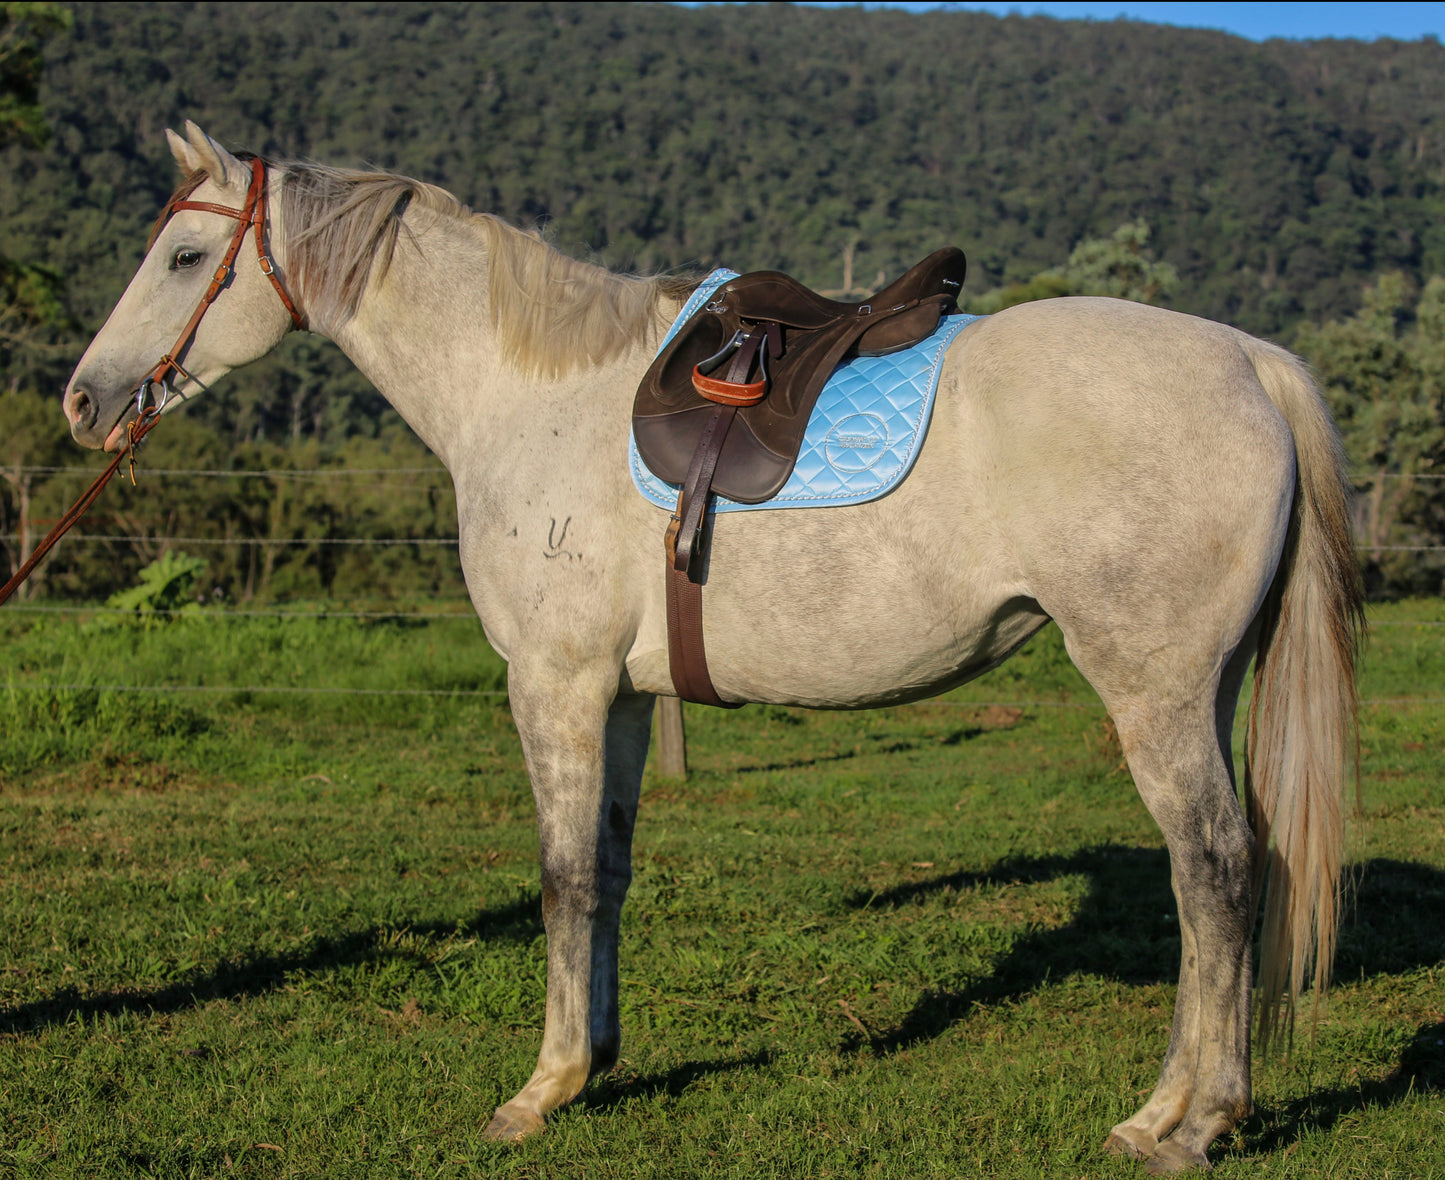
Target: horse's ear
[{"x": 198, "y": 152}]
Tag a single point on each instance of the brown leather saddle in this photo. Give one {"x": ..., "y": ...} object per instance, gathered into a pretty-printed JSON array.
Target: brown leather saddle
[{"x": 725, "y": 405}]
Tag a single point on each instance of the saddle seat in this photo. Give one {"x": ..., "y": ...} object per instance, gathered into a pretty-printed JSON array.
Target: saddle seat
[
  {"x": 814, "y": 336},
  {"x": 725, "y": 406}
]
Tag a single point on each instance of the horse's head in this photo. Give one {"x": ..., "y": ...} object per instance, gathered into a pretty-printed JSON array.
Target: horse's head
[{"x": 148, "y": 327}]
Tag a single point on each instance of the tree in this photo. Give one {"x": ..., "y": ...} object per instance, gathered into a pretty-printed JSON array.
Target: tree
[
  {"x": 30, "y": 304},
  {"x": 32, "y": 311},
  {"x": 34, "y": 438},
  {"x": 1278, "y": 178},
  {"x": 24, "y": 28},
  {"x": 33, "y": 319},
  {"x": 1383, "y": 372},
  {"x": 1120, "y": 265}
]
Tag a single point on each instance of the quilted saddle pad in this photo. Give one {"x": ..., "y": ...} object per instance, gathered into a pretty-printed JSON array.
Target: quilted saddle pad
[{"x": 864, "y": 433}]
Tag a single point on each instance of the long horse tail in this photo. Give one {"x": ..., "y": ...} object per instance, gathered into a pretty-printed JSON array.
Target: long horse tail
[{"x": 1303, "y": 738}]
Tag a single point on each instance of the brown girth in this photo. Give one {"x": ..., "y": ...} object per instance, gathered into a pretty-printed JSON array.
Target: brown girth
[
  {"x": 682, "y": 545},
  {"x": 252, "y": 215},
  {"x": 775, "y": 344}
]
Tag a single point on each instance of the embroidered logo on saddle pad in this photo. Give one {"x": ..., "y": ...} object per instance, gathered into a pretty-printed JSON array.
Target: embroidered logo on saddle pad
[{"x": 863, "y": 435}]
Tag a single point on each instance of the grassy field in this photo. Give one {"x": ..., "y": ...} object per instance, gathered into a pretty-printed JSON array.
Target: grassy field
[{"x": 297, "y": 934}]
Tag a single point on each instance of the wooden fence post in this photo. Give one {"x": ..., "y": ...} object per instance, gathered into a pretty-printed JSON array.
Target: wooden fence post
[{"x": 671, "y": 740}]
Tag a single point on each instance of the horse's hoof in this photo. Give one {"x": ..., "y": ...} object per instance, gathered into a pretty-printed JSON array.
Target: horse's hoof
[
  {"x": 1172, "y": 1158},
  {"x": 1134, "y": 1144},
  {"x": 511, "y": 1123}
]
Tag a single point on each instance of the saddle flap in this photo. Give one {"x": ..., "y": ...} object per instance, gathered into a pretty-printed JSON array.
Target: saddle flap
[
  {"x": 748, "y": 470},
  {"x": 668, "y": 382}
]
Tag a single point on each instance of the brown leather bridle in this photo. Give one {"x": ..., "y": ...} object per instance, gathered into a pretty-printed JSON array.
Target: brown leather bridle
[{"x": 252, "y": 215}]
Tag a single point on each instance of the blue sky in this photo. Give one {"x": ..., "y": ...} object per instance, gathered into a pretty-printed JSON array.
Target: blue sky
[{"x": 1258, "y": 22}]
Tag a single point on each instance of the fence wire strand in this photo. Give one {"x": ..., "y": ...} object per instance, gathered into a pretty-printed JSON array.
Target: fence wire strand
[
  {"x": 372, "y": 472},
  {"x": 211, "y": 614},
  {"x": 321, "y": 473},
  {"x": 287, "y": 689},
  {"x": 314, "y": 690},
  {"x": 350, "y": 473},
  {"x": 119, "y": 538}
]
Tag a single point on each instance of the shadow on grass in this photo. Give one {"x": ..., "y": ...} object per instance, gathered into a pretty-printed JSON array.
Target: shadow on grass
[
  {"x": 1421, "y": 1067},
  {"x": 607, "y": 1092},
  {"x": 1392, "y": 923},
  {"x": 1392, "y": 927},
  {"x": 819, "y": 760},
  {"x": 1126, "y": 929},
  {"x": 883, "y": 746},
  {"x": 518, "y": 922}
]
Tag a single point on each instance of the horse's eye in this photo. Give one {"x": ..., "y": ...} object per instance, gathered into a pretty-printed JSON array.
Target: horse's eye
[{"x": 185, "y": 258}]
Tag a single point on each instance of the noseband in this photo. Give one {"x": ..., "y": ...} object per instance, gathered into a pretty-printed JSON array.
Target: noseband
[{"x": 252, "y": 216}]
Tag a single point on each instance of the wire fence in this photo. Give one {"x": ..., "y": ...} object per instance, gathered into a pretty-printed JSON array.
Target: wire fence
[
  {"x": 215, "y": 615},
  {"x": 499, "y": 693},
  {"x": 121, "y": 538},
  {"x": 327, "y": 474},
  {"x": 321, "y": 473},
  {"x": 340, "y": 472},
  {"x": 81, "y": 609},
  {"x": 279, "y": 689}
]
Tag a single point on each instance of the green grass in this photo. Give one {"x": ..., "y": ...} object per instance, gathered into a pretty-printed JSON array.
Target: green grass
[{"x": 274, "y": 935}]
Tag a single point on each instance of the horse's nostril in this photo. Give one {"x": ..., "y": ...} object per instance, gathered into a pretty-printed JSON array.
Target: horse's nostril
[{"x": 81, "y": 410}]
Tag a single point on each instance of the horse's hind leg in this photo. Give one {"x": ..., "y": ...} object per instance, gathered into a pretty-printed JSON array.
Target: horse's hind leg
[
  {"x": 585, "y": 758},
  {"x": 1179, "y": 753}
]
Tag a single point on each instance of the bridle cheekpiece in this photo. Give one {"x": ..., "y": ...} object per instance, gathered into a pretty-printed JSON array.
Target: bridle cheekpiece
[{"x": 252, "y": 216}]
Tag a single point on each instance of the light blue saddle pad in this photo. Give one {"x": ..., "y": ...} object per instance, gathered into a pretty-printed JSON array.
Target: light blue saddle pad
[{"x": 865, "y": 430}]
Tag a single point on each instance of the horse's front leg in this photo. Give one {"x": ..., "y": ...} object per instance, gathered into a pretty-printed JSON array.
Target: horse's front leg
[{"x": 585, "y": 747}]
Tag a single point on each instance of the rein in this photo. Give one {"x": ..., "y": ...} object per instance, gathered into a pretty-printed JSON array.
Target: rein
[{"x": 252, "y": 215}]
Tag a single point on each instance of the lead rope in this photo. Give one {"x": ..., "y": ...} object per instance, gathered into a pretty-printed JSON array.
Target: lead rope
[{"x": 137, "y": 430}]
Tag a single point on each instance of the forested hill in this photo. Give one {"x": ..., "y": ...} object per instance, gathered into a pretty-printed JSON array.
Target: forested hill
[
  {"x": 1295, "y": 189},
  {"x": 1276, "y": 177}
]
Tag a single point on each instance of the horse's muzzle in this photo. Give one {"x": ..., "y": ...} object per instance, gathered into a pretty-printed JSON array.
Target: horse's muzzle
[{"x": 97, "y": 419}]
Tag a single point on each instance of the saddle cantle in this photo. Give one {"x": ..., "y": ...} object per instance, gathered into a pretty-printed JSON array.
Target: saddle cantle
[{"x": 725, "y": 406}]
